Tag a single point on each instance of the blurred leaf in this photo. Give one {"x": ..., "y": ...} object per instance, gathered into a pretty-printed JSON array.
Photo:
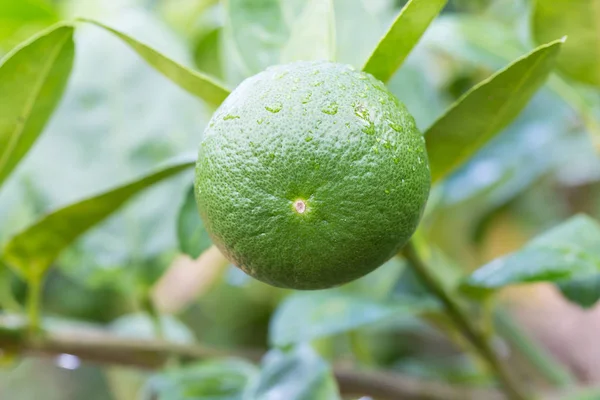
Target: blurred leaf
[
  {"x": 207, "y": 53},
  {"x": 353, "y": 46},
  {"x": 32, "y": 80},
  {"x": 7, "y": 298},
  {"x": 312, "y": 35},
  {"x": 20, "y": 19},
  {"x": 569, "y": 251},
  {"x": 402, "y": 36},
  {"x": 303, "y": 317},
  {"x": 34, "y": 249},
  {"x": 111, "y": 123},
  {"x": 486, "y": 109},
  {"x": 580, "y": 21},
  {"x": 141, "y": 326},
  {"x": 184, "y": 15},
  {"x": 583, "y": 291},
  {"x": 196, "y": 83},
  {"x": 486, "y": 41},
  {"x": 256, "y": 31},
  {"x": 378, "y": 284},
  {"x": 193, "y": 237},
  {"x": 210, "y": 380},
  {"x": 299, "y": 374}
]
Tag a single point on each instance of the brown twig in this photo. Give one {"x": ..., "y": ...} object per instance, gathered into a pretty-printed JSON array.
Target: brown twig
[{"x": 100, "y": 347}]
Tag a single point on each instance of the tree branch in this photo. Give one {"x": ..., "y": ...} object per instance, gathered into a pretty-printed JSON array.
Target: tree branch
[
  {"x": 97, "y": 346},
  {"x": 466, "y": 326}
]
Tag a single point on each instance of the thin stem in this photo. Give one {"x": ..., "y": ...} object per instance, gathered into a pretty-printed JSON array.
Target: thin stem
[
  {"x": 464, "y": 323},
  {"x": 34, "y": 294}
]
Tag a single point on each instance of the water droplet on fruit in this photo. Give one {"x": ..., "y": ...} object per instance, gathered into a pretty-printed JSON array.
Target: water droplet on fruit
[
  {"x": 396, "y": 160},
  {"x": 395, "y": 126},
  {"x": 387, "y": 191},
  {"x": 361, "y": 112},
  {"x": 308, "y": 139},
  {"x": 306, "y": 98},
  {"x": 317, "y": 83},
  {"x": 331, "y": 108},
  {"x": 260, "y": 121},
  {"x": 230, "y": 116},
  {"x": 281, "y": 75},
  {"x": 274, "y": 108}
]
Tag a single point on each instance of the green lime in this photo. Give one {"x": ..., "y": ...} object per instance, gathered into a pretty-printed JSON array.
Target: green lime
[{"x": 310, "y": 175}]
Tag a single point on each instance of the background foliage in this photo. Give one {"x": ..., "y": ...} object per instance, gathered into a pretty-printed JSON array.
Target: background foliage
[{"x": 112, "y": 112}]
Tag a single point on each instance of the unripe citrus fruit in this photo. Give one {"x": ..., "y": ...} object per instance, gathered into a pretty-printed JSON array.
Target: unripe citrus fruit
[{"x": 311, "y": 175}]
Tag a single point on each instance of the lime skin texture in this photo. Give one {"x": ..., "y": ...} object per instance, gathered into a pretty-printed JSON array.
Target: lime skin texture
[{"x": 311, "y": 175}]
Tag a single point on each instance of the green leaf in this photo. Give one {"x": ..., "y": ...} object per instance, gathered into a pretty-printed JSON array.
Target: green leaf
[
  {"x": 20, "y": 19},
  {"x": 211, "y": 380},
  {"x": 580, "y": 21},
  {"x": 378, "y": 284},
  {"x": 34, "y": 249},
  {"x": 32, "y": 80},
  {"x": 312, "y": 36},
  {"x": 583, "y": 291},
  {"x": 486, "y": 109},
  {"x": 207, "y": 53},
  {"x": 255, "y": 33},
  {"x": 193, "y": 237},
  {"x": 569, "y": 251},
  {"x": 299, "y": 374},
  {"x": 196, "y": 83},
  {"x": 303, "y": 317},
  {"x": 403, "y": 35}
]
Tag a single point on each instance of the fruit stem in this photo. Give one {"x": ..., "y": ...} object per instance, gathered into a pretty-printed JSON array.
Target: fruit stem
[
  {"x": 34, "y": 291},
  {"x": 464, "y": 323}
]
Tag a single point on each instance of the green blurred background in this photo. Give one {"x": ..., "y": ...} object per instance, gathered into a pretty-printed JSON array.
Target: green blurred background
[{"x": 120, "y": 118}]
